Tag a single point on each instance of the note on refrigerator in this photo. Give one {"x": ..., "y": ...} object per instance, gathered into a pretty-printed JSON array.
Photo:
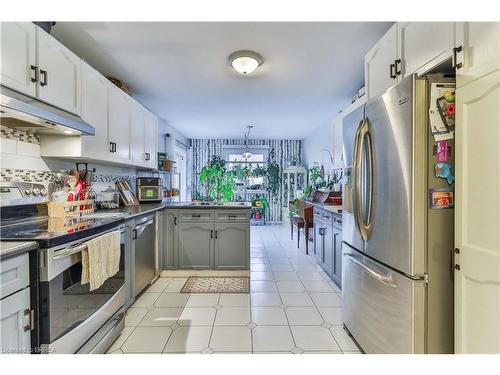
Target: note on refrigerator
[{"x": 442, "y": 111}]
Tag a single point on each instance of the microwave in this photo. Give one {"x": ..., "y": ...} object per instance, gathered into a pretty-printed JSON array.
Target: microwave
[{"x": 149, "y": 189}]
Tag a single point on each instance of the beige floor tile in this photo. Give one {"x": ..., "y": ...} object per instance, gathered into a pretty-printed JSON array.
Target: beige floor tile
[
  {"x": 268, "y": 316},
  {"x": 197, "y": 316},
  {"x": 230, "y": 299},
  {"x": 231, "y": 339},
  {"x": 125, "y": 333},
  {"x": 303, "y": 316},
  {"x": 326, "y": 299},
  {"x": 147, "y": 340},
  {"x": 272, "y": 339},
  {"x": 203, "y": 300},
  {"x": 146, "y": 300},
  {"x": 172, "y": 300},
  {"x": 161, "y": 316},
  {"x": 332, "y": 315},
  {"x": 258, "y": 276},
  {"x": 188, "y": 339},
  {"x": 285, "y": 275},
  {"x": 314, "y": 338},
  {"x": 290, "y": 286},
  {"x": 281, "y": 267},
  {"x": 232, "y": 316},
  {"x": 175, "y": 286},
  {"x": 265, "y": 299},
  {"x": 343, "y": 339},
  {"x": 263, "y": 286},
  {"x": 134, "y": 315},
  {"x": 312, "y": 275},
  {"x": 296, "y": 299},
  {"x": 318, "y": 286}
]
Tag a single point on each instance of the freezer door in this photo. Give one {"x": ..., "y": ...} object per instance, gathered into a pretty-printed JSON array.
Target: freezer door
[
  {"x": 350, "y": 124},
  {"x": 398, "y": 183},
  {"x": 383, "y": 309}
]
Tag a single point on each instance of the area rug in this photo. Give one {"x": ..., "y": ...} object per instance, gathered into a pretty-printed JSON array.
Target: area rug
[{"x": 217, "y": 284}]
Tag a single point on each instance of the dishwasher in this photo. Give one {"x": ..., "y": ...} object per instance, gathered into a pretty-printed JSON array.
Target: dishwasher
[{"x": 145, "y": 250}]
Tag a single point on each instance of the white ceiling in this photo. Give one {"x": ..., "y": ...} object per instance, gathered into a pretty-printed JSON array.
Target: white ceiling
[{"x": 180, "y": 71}]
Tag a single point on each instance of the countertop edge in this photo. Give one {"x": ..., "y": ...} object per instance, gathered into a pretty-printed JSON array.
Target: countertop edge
[{"x": 10, "y": 249}]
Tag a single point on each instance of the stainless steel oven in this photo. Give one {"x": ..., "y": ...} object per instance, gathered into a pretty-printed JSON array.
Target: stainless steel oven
[{"x": 73, "y": 319}]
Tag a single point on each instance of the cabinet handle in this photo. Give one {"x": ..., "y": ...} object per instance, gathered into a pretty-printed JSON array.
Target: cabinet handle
[
  {"x": 110, "y": 146},
  {"x": 231, "y": 217},
  {"x": 175, "y": 220},
  {"x": 29, "y": 315},
  {"x": 114, "y": 146},
  {"x": 34, "y": 77},
  {"x": 454, "y": 58},
  {"x": 45, "y": 79},
  {"x": 211, "y": 234},
  {"x": 195, "y": 216},
  {"x": 391, "y": 72},
  {"x": 134, "y": 234},
  {"x": 216, "y": 234},
  {"x": 398, "y": 71}
]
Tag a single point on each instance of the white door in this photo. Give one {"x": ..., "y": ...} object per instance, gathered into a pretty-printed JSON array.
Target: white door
[
  {"x": 59, "y": 82},
  {"x": 119, "y": 122},
  {"x": 18, "y": 56},
  {"x": 95, "y": 112},
  {"x": 423, "y": 45},
  {"x": 151, "y": 138},
  {"x": 137, "y": 131},
  {"x": 181, "y": 164},
  {"x": 379, "y": 69},
  {"x": 477, "y": 216},
  {"x": 480, "y": 49}
]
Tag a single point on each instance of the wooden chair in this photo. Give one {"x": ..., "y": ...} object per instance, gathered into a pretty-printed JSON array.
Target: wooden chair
[{"x": 300, "y": 223}]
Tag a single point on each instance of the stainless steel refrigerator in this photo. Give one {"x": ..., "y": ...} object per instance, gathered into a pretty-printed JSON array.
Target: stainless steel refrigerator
[{"x": 397, "y": 279}]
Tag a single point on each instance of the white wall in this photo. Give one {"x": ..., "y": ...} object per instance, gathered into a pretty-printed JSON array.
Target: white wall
[
  {"x": 321, "y": 138},
  {"x": 163, "y": 128}
]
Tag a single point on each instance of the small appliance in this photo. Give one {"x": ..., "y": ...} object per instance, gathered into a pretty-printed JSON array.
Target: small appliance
[{"x": 149, "y": 189}]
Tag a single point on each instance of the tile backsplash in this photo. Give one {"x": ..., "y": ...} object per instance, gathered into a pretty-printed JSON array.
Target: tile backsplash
[{"x": 18, "y": 135}]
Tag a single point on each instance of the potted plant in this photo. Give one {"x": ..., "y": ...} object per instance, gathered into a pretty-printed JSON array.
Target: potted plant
[{"x": 218, "y": 181}]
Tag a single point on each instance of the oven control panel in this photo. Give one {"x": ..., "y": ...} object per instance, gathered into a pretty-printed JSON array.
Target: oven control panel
[{"x": 13, "y": 193}]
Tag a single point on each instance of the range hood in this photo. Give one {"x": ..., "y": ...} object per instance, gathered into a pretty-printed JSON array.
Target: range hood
[{"x": 26, "y": 113}]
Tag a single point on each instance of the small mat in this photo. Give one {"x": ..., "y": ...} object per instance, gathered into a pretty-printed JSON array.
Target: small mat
[{"x": 217, "y": 284}]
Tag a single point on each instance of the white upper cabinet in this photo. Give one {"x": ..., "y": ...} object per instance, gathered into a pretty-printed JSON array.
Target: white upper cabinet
[
  {"x": 477, "y": 50},
  {"x": 380, "y": 61},
  {"x": 119, "y": 123},
  {"x": 95, "y": 112},
  {"x": 137, "y": 131},
  {"x": 18, "y": 56},
  {"x": 423, "y": 45},
  {"x": 151, "y": 139},
  {"x": 59, "y": 70}
]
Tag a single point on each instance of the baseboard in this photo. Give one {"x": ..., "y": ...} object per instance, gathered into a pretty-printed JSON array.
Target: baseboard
[{"x": 207, "y": 273}]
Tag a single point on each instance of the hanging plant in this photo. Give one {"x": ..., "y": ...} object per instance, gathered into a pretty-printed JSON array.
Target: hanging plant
[{"x": 273, "y": 174}]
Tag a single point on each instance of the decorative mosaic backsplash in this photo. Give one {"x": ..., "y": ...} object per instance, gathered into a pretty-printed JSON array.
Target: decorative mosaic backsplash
[{"x": 19, "y": 135}]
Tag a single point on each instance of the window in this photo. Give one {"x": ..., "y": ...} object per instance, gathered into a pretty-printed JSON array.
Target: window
[{"x": 255, "y": 160}]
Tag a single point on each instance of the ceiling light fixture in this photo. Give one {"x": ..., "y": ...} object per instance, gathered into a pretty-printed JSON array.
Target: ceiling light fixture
[
  {"x": 247, "y": 154},
  {"x": 245, "y": 62}
]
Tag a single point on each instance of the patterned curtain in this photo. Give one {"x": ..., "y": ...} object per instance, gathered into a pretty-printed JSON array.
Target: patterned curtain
[{"x": 284, "y": 149}]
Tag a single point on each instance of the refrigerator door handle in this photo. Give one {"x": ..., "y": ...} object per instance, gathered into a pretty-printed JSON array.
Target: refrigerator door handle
[
  {"x": 363, "y": 133},
  {"x": 383, "y": 279}
]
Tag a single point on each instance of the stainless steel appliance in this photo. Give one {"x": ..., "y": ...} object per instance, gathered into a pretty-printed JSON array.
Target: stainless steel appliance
[
  {"x": 149, "y": 189},
  {"x": 27, "y": 113},
  {"x": 145, "y": 268},
  {"x": 397, "y": 282},
  {"x": 69, "y": 318}
]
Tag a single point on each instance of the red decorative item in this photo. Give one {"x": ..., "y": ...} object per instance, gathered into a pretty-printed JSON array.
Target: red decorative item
[
  {"x": 257, "y": 215},
  {"x": 450, "y": 110}
]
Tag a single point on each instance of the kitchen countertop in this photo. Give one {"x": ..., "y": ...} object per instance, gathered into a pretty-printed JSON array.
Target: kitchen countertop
[
  {"x": 8, "y": 249},
  {"x": 328, "y": 207}
]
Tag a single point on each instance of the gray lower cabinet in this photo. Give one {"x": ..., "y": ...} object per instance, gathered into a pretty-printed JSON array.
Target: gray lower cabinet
[
  {"x": 170, "y": 238},
  {"x": 196, "y": 246},
  {"x": 337, "y": 256},
  {"x": 15, "y": 323},
  {"x": 232, "y": 243}
]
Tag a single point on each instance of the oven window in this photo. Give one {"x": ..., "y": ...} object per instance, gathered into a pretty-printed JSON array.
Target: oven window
[{"x": 70, "y": 302}]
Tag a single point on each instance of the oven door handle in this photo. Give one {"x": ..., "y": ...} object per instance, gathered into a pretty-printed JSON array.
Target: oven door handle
[{"x": 70, "y": 251}]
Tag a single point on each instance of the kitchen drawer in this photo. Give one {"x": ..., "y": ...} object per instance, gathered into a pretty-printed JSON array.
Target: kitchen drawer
[
  {"x": 229, "y": 216},
  {"x": 337, "y": 221},
  {"x": 14, "y": 274},
  {"x": 323, "y": 215},
  {"x": 196, "y": 216}
]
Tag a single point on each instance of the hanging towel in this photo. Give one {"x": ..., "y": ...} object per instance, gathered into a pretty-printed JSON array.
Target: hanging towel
[{"x": 101, "y": 259}]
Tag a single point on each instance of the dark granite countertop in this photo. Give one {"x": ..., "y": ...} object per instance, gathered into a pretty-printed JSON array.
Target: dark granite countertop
[{"x": 10, "y": 249}]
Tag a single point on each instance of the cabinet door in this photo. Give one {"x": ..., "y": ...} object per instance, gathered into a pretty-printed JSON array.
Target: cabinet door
[
  {"x": 13, "y": 320},
  {"x": 18, "y": 56},
  {"x": 423, "y": 45},
  {"x": 477, "y": 217},
  {"x": 151, "y": 138},
  {"x": 337, "y": 257},
  {"x": 59, "y": 82},
  {"x": 480, "y": 55},
  {"x": 137, "y": 132},
  {"x": 95, "y": 112},
  {"x": 196, "y": 246},
  {"x": 119, "y": 122},
  {"x": 232, "y": 246},
  {"x": 170, "y": 240},
  {"x": 327, "y": 263},
  {"x": 378, "y": 63},
  {"x": 318, "y": 242}
]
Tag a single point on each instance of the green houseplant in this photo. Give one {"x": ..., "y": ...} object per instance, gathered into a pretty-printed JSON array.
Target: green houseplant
[{"x": 219, "y": 182}]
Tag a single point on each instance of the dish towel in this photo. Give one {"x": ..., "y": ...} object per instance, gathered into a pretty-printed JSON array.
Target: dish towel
[{"x": 101, "y": 259}]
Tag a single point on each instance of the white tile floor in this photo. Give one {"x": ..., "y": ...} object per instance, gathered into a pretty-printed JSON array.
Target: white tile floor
[{"x": 293, "y": 307}]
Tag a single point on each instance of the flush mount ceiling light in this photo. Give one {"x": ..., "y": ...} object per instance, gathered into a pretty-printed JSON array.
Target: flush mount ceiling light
[{"x": 245, "y": 62}]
